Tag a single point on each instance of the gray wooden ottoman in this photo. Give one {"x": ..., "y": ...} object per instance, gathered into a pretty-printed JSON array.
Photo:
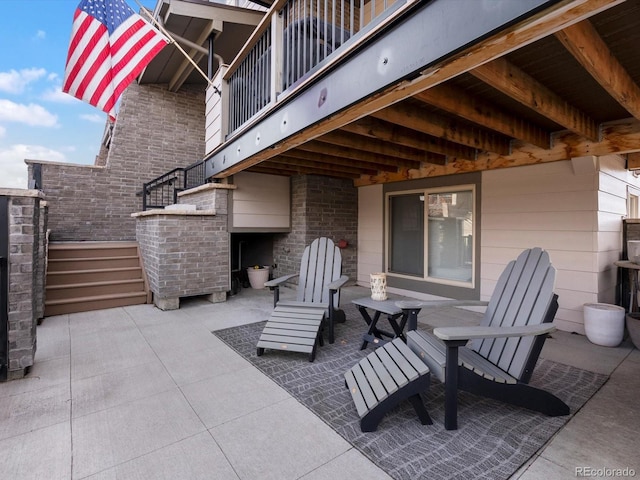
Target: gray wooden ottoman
[
  {"x": 293, "y": 328},
  {"x": 388, "y": 375}
]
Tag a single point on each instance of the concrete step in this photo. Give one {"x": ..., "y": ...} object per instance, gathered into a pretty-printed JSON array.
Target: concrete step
[
  {"x": 75, "y": 290},
  {"x": 97, "y": 302}
]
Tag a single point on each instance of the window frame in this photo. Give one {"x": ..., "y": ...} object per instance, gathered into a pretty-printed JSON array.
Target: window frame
[
  {"x": 633, "y": 202},
  {"x": 426, "y": 191}
]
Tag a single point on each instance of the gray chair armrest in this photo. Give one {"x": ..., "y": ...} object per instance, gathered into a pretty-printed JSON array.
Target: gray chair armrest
[
  {"x": 280, "y": 280},
  {"x": 469, "y": 333},
  {"x": 337, "y": 284},
  {"x": 410, "y": 304}
]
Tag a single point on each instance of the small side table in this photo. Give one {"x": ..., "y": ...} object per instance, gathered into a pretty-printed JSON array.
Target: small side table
[
  {"x": 389, "y": 308},
  {"x": 398, "y": 313},
  {"x": 632, "y": 269}
]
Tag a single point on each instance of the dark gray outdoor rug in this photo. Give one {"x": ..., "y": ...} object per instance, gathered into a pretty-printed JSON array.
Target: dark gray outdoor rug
[{"x": 492, "y": 441}]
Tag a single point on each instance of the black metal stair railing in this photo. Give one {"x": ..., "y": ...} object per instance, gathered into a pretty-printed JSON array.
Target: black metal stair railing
[{"x": 163, "y": 190}]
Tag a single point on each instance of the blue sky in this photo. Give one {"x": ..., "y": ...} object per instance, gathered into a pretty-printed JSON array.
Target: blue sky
[{"x": 37, "y": 120}]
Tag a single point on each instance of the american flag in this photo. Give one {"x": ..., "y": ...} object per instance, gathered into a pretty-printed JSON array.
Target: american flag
[{"x": 110, "y": 45}]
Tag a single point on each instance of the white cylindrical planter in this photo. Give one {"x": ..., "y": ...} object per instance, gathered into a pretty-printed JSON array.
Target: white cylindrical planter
[
  {"x": 257, "y": 277},
  {"x": 378, "y": 286},
  {"x": 604, "y": 323}
]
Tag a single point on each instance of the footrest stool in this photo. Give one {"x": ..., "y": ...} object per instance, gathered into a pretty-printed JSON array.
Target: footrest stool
[
  {"x": 388, "y": 375},
  {"x": 293, "y": 328}
]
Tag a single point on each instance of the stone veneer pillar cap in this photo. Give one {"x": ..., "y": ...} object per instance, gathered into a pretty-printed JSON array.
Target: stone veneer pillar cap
[
  {"x": 184, "y": 213},
  {"x": 207, "y": 186},
  {"x": 19, "y": 192}
]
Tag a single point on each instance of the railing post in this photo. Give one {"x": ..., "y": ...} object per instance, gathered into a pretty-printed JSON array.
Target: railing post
[
  {"x": 144, "y": 197},
  {"x": 277, "y": 55}
]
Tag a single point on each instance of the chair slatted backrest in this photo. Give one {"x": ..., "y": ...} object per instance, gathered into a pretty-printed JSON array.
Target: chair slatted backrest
[
  {"x": 321, "y": 264},
  {"x": 522, "y": 296}
]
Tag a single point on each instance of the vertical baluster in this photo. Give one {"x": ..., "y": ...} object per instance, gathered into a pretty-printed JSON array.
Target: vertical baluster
[
  {"x": 288, "y": 61},
  {"x": 333, "y": 25},
  {"x": 342, "y": 24},
  {"x": 326, "y": 32},
  {"x": 351, "y": 16},
  {"x": 304, "y": 37},
  {"x": 318, "y": 35}
]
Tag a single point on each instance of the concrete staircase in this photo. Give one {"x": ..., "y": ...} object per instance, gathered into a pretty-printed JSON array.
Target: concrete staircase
[{"x": 84, "y": 276}]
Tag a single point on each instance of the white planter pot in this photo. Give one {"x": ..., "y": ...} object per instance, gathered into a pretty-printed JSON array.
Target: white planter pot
[
  {"x": 604, "y": 323},
  {"x": 633, "y": 327},
  {"x": 257, "y": 277}
]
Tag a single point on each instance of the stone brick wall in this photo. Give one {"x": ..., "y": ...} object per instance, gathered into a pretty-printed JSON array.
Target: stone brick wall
[
  {"x": 207, "y": 197},
  {"x": 186, "y": 253},
  {"x": 320, "y": 207},
  {"x": 25, "y": 285},
  {"x": 156, "y": 131}
]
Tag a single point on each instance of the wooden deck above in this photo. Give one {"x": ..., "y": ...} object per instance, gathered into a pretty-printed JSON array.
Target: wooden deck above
[{"x": 560, "y": 81}]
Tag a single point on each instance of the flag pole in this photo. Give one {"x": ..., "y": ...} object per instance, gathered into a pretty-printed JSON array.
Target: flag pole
[{"x": 177, "y": 45}]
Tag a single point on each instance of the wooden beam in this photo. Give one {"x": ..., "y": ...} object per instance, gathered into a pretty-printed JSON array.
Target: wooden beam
[
  {"x": 186, "y": 67},
  {"x": 388, "y": 132},
  {"x": 633, "y": 161},
  {"x": 617, "y": 137},
  {"x": 284, "y": 169},
  {"x": 513, "y": 82},
  {"x": 292, "y": 160},
  {"x": 585, "y": 44},
  {"x": 419, "y": 119},
  {"x": 366, "y": 144},
  {"x": 331, "y": 160},
  {"x": 351, "y": 153},
  {"x": 457, "y": 101}
]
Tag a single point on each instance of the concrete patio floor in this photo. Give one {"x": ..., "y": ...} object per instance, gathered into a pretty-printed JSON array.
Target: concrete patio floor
[{"x": 136, "y": 392}]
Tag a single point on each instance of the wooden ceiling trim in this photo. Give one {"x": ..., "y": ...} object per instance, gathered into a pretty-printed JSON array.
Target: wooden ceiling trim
[
  {"x": 359, "y": 142},
  {"x": 186, "y": 67},
  {"x": 287, "y": 159},
  {"x": 457, "y": 101},
  {"x": 353, "y": 154},
  {"x": 589, "y": 49},
  {"x": 416, "y": 118},
  {"x": 513, "y": 82},
  {"x": 331, "y": 160},
  {"x": 388, "y": 132},
  {"x": 633, "y": 161},
  {"x": 617, "y": 137},
  {"x": 289, "y": 169}
]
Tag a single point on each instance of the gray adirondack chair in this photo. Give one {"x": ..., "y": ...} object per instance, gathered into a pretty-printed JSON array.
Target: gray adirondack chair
[
  {"x": 497, "y": 358},
  {"x": 497, "y": 363},
  {"x": 295, "y": 325}
]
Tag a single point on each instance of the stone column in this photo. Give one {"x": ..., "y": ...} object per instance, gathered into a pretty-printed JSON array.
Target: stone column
[
  {"x": 25, "y": 285},
  {"x": 185, "y": 247}
]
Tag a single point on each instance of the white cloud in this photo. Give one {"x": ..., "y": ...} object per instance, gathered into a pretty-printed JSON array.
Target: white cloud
[
  {"x": 15, "y": 81},
  {"x": 58, "y": 96},
  {"x": 13, "y": 167},
  {"x": 53, "y": 76},
  {"x": 40, "y": 35},
  {"x": 3, "y": 131},
  {"x": 32, "y": 114},
  {"x": 94, "y": 117}
]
